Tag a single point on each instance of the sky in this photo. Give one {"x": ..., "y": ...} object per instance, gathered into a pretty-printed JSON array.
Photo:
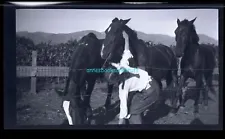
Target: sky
[{"x": 162, "y": 21}]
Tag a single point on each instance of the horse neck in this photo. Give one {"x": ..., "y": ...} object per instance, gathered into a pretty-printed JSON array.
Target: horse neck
[{"x": 191, "y": 48}]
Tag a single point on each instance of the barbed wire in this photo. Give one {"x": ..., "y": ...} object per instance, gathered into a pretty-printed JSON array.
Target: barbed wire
[
  {"x": 99, "y": 69},
  {"x": 150, "y": 110},
  {"x": 166, "y": 89},
  {"x": 147, "y": 67}
]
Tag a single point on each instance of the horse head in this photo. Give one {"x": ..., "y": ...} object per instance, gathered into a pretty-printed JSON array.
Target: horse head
[
  {"x": 112, "y": 47},
  {"x": 185, "y": 34}
]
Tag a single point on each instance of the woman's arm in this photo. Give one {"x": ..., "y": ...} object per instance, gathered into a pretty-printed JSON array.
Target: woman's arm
[{"x": 127, "y": 68}]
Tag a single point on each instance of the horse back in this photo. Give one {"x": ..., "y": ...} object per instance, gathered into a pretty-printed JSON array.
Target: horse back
[
  {"x": 208, "y": 52},
  {"x": 161, "y": 60},
  {"x": 85, "y": 56},
  {"x": 160, "y": 55}
]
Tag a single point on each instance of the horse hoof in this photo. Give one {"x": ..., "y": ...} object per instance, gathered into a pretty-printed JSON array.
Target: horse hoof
[
  {"x": 206, "y": 108},
  {"x": 171, "y": 114},
  {"x": 145, "y": 112},
  {"x": 117, "y": 116},
  {"x": 103, "y": 109},
  {"x": 93, "y": 122},
  {"x": 88, "y": 121},
  {"x": 182, "y": 107},
  {"x": 196, "y": 115},
  {"x": 169, "y": 103}
]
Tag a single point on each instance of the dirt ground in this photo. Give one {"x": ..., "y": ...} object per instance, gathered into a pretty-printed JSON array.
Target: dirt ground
[{"x": 44, "y": 108}]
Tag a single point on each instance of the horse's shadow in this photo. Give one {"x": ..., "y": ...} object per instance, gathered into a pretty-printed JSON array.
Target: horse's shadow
[
  {"x": 196, "y": 122},
  {"x": 155, "y": 112},
  {"x": 191, "y": 93},
  {"x": 100, "y": 116}
]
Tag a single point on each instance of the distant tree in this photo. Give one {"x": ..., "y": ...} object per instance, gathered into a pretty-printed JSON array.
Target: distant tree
[
  {"x": 24, "y": 42},
  {"x": 72, "y": 43}
]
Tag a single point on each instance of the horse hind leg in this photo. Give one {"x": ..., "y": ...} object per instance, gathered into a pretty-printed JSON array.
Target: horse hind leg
[
  {"x": 174, "y": 93},
  {"x": 208, "y": 86},
  {"x": 66, "y": 106},
  {"x": 181, "y": 91},
  {"x": 87, "y": 98},
  {"x": 162, "y": 97},
  {"x": 171, "y": 83},
  {"x": 209, "y": 80},
  {"x": 75, "y": 105}
]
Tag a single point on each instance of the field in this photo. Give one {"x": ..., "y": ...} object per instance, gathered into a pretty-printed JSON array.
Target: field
[{"x": 44, "y": 108}]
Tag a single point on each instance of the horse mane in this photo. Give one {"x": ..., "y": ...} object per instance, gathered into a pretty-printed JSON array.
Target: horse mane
[
  {"x": 91, "y": 35},
  {"x": 132, "y": 34},
  {"x": 132, "y": 38},
  {"x": 194, "y": 35},
  {"x": 88, "y": 36},
  {"x": 136, "y": 45}
]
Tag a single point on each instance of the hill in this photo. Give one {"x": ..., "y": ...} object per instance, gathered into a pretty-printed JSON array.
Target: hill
[{"x": 39, "y": 37}]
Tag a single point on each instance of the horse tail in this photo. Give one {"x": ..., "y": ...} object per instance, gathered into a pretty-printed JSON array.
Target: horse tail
[{"x": 209, "y": 83}]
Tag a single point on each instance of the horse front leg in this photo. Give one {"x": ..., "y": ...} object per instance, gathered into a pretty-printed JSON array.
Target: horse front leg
[
  {"x": 205, "y": 91},
  {"x": 175, "y": 96},
  {"x": 75, "y": 109},
  {"x": 108, "y": 98},
  {"x": 181, "y": 92},
  {"x": 199, "y": 83}
]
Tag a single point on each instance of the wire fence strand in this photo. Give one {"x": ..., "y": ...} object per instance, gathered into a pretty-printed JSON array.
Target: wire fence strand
[
  {"x": 166, "y": 89},
  {"x": 147, "y": 67}
]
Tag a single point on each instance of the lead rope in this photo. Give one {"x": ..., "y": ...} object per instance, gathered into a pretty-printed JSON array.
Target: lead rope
[{"x": 106, "y": 60}]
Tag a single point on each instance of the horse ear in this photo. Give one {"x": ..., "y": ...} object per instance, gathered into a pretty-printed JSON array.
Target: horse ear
[
  {"x": 125, "y": 21},
  {"x": 178, "y": 21},
  {"x": 192, "y": 21},
  {"x": 115, "y": 19}
]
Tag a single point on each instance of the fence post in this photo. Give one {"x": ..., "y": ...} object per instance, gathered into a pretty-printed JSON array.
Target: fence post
[{"x": 34, "y": 72}]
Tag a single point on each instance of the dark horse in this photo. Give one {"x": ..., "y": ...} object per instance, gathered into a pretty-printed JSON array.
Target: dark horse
[
  {"x": 85, "y": 56},
  {"x": 159, "y": 60},
  {"x": 198, "y": 62}
]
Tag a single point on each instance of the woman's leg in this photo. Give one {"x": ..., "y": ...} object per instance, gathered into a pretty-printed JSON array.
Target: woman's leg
[{"x": 141, "y": 101}]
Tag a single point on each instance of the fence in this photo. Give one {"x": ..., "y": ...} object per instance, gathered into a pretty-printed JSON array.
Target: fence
[{"x": 35, "y": 71}]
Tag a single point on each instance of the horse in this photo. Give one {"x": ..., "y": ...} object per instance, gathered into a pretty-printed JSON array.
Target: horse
[
  {"x": 197, "y": 62},
  {"x": 85, "y": 56},
  {"x": 159, "y": 61}
]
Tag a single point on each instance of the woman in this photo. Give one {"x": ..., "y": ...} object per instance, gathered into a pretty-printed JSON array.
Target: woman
[{"x": 145, "y": 88}]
